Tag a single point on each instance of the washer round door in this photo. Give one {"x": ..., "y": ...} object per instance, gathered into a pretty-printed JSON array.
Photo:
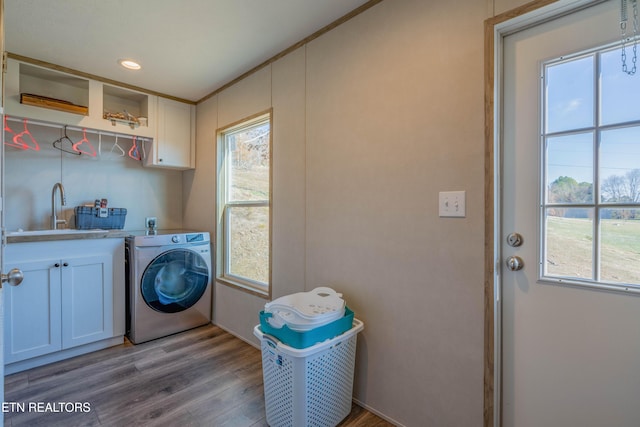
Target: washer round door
[{"x": 174, "y": 281}]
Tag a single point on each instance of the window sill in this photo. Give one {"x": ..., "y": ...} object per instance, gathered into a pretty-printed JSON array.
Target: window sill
[{"x": 244, "y": 287}]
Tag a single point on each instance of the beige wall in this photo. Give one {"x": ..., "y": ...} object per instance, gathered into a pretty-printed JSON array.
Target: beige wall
[
  {"x": 199, "y": 184},
  {"x": 234, "y": 310},
  {"x": 395, "y": 116},
  {"x": 371, "y": 121},
  {"x": 501, "y": 6}
]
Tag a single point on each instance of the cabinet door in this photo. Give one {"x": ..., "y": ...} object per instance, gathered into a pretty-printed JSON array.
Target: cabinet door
[
  {"x": 32, "y": 312},
  {"x": 87, "y": 299},
  {"x": 175, "y": 143}
]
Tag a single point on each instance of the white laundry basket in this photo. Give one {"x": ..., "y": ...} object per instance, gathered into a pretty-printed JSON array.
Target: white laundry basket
[{"x": 311, "y": 386}]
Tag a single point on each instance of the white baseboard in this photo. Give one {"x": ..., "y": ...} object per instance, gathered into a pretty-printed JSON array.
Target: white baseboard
[
  {"x": 235, "y": 334},
  {"x": 378, "y": 413},
  {"x": 23, "y": 365}
]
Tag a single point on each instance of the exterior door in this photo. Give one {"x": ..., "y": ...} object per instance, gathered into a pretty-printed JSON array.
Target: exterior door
[{"x": 570, "y": 300}]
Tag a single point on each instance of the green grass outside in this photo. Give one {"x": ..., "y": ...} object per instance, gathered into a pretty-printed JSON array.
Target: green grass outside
[{"x": 570, "y": 249}]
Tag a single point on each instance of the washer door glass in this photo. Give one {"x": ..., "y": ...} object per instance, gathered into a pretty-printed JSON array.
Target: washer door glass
[{"x": 174, "y": 281}]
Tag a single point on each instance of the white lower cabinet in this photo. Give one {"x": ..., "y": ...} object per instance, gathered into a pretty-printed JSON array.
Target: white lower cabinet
[
  {"x": 87, "y": 300},
  {"x": 70, "y": 302},
  {"x": 32, "y": 312}
]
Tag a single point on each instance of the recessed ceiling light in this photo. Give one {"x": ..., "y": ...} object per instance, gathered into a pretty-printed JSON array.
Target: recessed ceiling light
[{"x": 129, "y": 64}]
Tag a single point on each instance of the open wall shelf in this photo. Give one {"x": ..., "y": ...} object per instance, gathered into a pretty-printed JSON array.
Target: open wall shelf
[
  {"x": 39, "y": 93},
  {"x": 48, "y": 94},
  {"x": 50, "y": 89},
  {"x": 125, "y": 106}
]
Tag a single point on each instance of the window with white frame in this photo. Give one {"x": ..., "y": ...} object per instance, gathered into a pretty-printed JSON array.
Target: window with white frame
[
  {"x": 244, "y": 194},
  {"x": 590, "y": 203}
]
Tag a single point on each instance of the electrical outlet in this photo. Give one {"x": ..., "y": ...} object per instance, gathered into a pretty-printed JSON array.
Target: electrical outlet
[
  {"x": 452, "y": 204},
  {"x": 150, "y": 222}
]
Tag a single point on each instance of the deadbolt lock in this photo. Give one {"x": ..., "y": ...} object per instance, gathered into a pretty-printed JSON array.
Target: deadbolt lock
[{"x": 514, "y": 239}]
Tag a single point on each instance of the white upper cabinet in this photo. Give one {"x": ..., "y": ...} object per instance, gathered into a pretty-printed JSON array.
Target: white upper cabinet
[
  {"x": 174, "y": 145},
  {"x": 40, "y": 93},
  {"x": 46, "y": 94}
]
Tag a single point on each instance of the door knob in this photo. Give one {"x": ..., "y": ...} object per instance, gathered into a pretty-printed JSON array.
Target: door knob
[
  {"x": 515, "y": 263},
  {"x": 13, "y": 277}
]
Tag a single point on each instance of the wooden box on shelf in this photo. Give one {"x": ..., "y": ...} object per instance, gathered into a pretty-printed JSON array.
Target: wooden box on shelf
[{"x": 52, "y": 103}]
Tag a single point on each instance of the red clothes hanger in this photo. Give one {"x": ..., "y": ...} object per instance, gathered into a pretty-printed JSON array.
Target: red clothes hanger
[
  {"x": 90, "y": 150},
  {"x": 18, "y": 138},
  {"x": 134, "y": 153},
  {"x": 13, "y": 142}
]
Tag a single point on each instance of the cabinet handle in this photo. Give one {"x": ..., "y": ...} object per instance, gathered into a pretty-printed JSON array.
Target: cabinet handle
[
  {"x": 56, "y": 265},
  {"x": 66, "y": 264}
]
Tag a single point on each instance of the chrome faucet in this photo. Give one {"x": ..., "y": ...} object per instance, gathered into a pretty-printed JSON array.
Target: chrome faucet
[{"x": 63, "y": 201}]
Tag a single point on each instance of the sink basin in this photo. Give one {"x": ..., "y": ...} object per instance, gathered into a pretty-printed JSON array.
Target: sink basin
[{"x": 53, "y": 232}]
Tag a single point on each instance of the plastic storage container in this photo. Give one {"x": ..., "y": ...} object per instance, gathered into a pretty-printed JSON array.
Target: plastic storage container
[
  {"x": 304, "y": 339},
  {"x": 304, "y": 311},
  {"x": 88, "y": 218},
  {"x": 312, "y": 386}
]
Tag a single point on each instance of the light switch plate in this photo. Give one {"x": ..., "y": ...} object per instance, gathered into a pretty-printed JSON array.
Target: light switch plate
[{"x": 452, "y": 204}]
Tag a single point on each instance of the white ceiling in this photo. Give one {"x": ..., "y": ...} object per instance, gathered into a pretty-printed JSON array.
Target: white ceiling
[{"x": 187, "y": 48}]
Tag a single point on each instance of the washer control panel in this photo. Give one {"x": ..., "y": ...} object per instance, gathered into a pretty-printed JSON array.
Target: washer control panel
[{"x": 171, "y": 239}]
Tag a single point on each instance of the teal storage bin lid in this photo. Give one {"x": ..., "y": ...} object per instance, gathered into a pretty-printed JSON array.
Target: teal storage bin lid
[{"x": 304, "y": 339}]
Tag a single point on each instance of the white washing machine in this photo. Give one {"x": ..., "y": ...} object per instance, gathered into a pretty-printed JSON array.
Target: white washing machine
[{"x": 168, "y": 284}]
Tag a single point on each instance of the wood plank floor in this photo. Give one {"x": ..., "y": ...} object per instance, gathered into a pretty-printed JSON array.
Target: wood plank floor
[{"x": 201, "y": 377}]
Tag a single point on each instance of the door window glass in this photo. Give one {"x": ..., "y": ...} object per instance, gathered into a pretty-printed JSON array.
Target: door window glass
[
  {"x": 620, "y": 165},
  {"x": 570, "y": 95},
  {"x": 591, "y": 171},
  {"x": 569, "y": 227},
  {"x": 570, "y": 168},
  {"x": 618, "y": 91}
]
